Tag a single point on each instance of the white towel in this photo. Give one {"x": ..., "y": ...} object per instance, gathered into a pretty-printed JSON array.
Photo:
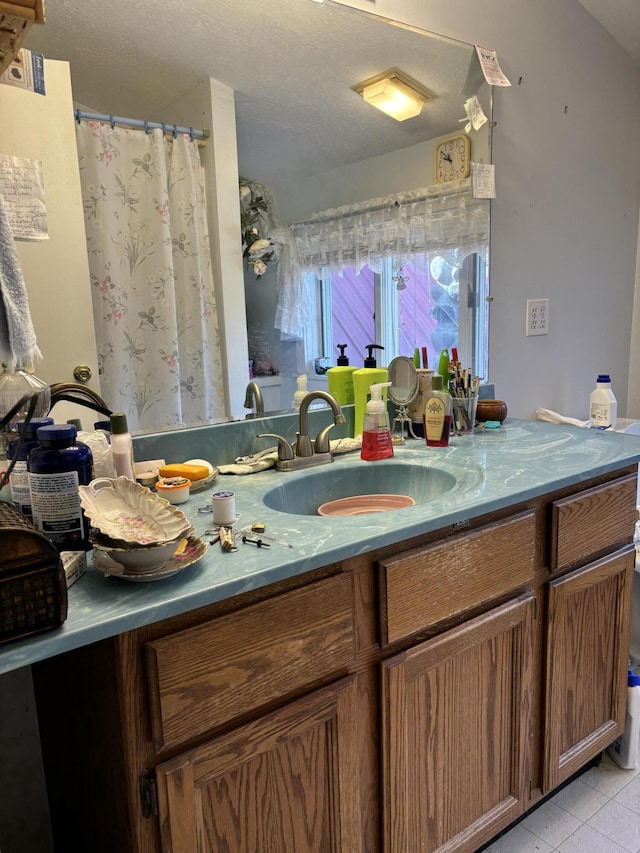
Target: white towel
[
  {"x": 554, "y": 418},
  {"x": 264, "y": 459},
  {"x": 18, "y": 344}
]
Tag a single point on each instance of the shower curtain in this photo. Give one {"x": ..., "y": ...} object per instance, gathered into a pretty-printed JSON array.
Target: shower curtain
[{"x": 153, "y": 296}]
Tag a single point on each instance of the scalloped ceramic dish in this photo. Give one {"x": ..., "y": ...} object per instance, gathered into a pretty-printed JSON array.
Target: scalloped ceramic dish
[
  {"x": 194, "y": 549},
  {"x": 125, "y": 511},
  {"x": 144, "y": 558}
]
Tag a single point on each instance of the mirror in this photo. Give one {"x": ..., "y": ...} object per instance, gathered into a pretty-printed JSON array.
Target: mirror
[
  {"x": 404, "y": 380},
  {"x": 298, "y": 117}
]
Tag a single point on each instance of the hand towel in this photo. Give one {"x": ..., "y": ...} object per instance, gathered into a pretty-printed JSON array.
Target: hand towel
[
  {"x": 554, "y": 418},
  {"x": 264, "y": 459},
  {"x": 18, "y": 344}
]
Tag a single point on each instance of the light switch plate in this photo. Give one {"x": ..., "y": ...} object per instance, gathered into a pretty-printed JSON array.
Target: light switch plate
[{"x": 537, "y": 320}]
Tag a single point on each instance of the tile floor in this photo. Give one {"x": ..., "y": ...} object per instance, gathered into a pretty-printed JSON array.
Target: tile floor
[{"x": 599, "y": 812}]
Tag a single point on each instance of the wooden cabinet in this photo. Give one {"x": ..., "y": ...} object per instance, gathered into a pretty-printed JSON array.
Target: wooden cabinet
[
  {"x": 456, "y": 722},
  {"x": 16, "y": 18},
  {"x": 418, "y": 698}
]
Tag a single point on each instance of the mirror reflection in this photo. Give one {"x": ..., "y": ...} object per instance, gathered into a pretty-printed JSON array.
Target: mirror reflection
[{"x": 308, "y": 144}]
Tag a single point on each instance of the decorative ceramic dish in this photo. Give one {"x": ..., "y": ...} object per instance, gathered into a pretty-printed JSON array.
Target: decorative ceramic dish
[
  {"x": 145, "y": 558},
  {"x": 124, "y": 510},
  {"x": 193, "y": 551},
  {"x": 361, "y": 504}
]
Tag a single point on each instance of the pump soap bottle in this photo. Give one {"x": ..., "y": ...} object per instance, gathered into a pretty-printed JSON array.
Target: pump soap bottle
[
  {"x": 121, "y": 446},
  {"x": 437, "y": 414},
  {"x": 301, "y": 392},
  {"x": 376, "y": 435},
  {"x": 340, "y": 378},
  {"x": 363, "y": 379}
]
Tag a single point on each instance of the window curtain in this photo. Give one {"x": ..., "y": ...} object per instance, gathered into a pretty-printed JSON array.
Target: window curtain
[
  {"x": 153, "y": 293},
  {"x": 443, "y": 219}
]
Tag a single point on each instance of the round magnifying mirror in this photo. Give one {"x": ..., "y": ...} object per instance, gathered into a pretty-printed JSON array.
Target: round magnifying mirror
[{"x": 404, "y": 380}]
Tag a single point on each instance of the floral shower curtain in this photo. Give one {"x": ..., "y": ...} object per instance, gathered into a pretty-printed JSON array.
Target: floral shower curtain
[{"x": 152, "y": 286}]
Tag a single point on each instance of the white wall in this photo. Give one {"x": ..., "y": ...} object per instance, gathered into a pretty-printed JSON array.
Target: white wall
[{"x": 565, "y": 220}]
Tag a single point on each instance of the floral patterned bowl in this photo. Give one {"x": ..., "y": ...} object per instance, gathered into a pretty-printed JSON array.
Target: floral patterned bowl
[
  {"x": 128, "y": 513},
  {"x": 146, "y": 558}
]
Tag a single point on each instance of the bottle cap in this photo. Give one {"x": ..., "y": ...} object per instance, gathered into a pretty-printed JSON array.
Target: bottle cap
[
  {"x": 604, "y": 377},
  {"x": 56, "y": 434},
  {"x": 119, "y": 423},
  {"x": 633, "y": 680},
  {"x": 436, "y": 382},
  {"x": 302, "y": 382},
  {"x": 33, "y": 426},
  {"x": 376, "y": 405},
  {"x": 370, "y": 360},
  {"x": 343, "y": 361}
]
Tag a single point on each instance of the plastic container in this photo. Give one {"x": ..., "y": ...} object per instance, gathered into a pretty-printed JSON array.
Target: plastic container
[
  {"x": 57, "y": 467},
  {"x": 19, "y": 479},
  {"x": 121, "y": 446},
  {"x": 363, "y": 379},
  {"x": 443, "y": 366},
  {"x": 624, "y": 750},
  {"x": 340, "y": 379},
  {"x": 437, "y": 414},
  {"x": 416, "y": 407},
  {"x": 376, "y": 435},
  {"x": 301, "y": 392},
  {"x": 603, "y": 406}
]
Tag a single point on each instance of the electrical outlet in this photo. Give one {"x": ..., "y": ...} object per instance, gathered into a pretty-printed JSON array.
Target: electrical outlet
[{"x": 537, "y": 322}]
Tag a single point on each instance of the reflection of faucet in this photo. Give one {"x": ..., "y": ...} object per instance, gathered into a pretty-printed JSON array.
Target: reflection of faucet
[
  {"x": 254, "y": 392},
  {"x": 74, "y": 392},
  {"x": 305, "y": 454}
]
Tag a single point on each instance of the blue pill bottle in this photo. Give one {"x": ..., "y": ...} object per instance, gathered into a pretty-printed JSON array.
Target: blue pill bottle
[
  {"x": 57, "y": 467},
  {"x": 19, "y": 481}
]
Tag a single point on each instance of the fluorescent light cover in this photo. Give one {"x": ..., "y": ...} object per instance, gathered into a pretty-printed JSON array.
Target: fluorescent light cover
[{"x": 394, "y": 98}]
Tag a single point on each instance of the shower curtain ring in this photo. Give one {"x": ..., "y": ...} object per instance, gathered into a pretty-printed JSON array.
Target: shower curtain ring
[
  {"x": 112, "y": 121},
  {"x": 191, "y": 133},
  {"x": 146, "y": 127}
]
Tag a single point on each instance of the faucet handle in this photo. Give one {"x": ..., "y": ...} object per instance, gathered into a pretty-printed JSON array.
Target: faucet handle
[
  {"x": 321, "y": 443},
  {"x": 285, "y": 450}
]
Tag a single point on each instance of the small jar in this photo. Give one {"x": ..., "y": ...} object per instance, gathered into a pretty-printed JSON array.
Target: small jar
[{"x": 174, "y": 489}]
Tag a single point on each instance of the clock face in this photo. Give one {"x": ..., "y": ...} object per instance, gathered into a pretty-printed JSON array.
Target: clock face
[{"x": 452, "y": 158}]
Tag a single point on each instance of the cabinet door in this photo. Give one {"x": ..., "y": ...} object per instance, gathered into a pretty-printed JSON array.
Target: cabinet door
[
  {"x": 286, "y": 783},
  {"x": 456, "y": 727},
  {"x": 586, "y": 666}
]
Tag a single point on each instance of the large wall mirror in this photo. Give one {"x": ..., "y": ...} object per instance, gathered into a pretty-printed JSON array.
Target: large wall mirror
[{"x": 311, "y": 144}]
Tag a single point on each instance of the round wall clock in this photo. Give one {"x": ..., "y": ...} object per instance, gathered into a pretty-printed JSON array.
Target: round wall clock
[{"x": 452, "y": 158}]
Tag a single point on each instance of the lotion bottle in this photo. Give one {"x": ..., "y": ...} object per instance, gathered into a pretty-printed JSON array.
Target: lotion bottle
[
  {"x": 437, "y": 414},
  {"x": 121, "y": 446},
  {"x": 376, "y": 435},
  {"x": 363, "y": 379},
  {"x": 301, "y": 392},
  {"x": 340, "y": 379},
  {"x": 603, "y": 406}
]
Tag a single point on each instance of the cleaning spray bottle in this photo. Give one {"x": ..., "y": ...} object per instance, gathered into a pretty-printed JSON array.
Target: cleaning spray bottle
[
  {"x": 340, "y": 378},
  {"x": 363, "y": 379},
  {"x": 376, "y": 435}
]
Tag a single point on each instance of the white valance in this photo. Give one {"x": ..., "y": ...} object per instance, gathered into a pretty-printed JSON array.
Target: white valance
[{"x": 444, "y": 219}]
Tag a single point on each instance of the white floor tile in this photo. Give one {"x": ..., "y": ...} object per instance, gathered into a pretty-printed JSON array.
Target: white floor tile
[
  {"x": 629, "y": 796},
  {"x": 551, "y": 823},
  {"x": 607, "y": 778},
  {"x": 520, "y": 840},
  {"x": 618, "y": 823},
  {"x": 588, "y": 839},
  {"x": 581, "y": 800}
]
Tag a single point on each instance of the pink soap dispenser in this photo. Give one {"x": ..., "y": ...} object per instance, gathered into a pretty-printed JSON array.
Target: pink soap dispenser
[{"x": 376, "y": 435}]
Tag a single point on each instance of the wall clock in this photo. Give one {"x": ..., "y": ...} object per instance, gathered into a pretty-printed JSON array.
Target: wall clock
[{"x": 452, "y": 158}]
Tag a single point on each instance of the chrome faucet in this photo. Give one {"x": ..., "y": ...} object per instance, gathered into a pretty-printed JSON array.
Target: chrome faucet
[
  {"x": 306, "y": 454},
  {"x": 254, "y": 392}
]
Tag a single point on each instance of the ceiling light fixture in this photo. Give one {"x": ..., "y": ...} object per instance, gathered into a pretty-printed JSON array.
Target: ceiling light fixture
[{"x": 395, "y": 93}]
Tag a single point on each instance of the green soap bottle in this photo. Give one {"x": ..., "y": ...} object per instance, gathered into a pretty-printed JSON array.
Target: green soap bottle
[
  {"x": 340, "y": 379},
  {"x": 363, "y": 379}
]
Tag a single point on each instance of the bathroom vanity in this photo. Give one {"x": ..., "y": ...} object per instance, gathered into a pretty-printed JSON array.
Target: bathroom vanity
[{"x": 413, "y": 680}]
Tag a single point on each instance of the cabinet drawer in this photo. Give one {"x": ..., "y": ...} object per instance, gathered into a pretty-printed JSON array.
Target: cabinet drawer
[
  {"x": 423, "y": 587},
  {"x": 587, "y": 525},
  {"x": 205, "y": 676}
]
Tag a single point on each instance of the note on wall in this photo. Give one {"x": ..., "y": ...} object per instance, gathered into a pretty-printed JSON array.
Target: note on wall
[{"x": 22, "y": 190}]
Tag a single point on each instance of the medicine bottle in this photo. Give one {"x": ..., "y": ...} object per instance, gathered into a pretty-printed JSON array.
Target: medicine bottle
[
  {"x": 603, "y": 406},
  {"x": 121, "y": 446},
  {"x": 19, "y": 480},
  {"x": 57, "y": 467}
]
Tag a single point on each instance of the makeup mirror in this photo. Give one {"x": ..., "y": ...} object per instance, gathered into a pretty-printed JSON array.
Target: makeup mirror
[{"x": 402, "y": 392}]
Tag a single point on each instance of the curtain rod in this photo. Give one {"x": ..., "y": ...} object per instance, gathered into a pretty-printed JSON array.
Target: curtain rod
[{"x": 145, "y": 125}]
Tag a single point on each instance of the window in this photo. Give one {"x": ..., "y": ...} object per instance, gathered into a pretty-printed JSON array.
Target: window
[{"x": 428, "y": 301}]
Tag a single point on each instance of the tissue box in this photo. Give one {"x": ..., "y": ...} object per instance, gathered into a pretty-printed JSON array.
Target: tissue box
[{"x": 74, "y": 564}]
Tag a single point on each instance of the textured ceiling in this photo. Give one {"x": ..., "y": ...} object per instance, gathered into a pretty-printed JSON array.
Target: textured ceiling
[{"x": 292, "y": 64}]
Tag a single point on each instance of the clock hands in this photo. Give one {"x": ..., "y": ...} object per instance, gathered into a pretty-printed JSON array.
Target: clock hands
[{"x": 446, "y": 157}]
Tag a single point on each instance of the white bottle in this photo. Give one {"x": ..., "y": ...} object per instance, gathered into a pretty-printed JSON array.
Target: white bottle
[
  {"x": 624, "y": 750},
  {"x": 301, "y": 392},
  {"x": 603, "y": 407},
  {"x": 121, "y": 446}
]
